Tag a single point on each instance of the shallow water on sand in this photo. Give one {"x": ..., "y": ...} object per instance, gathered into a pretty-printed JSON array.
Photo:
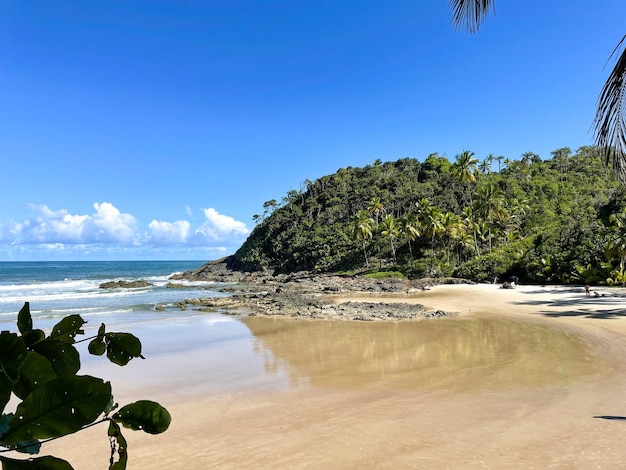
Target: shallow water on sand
[
  {"x": 218, "y": 353},
  {"x": 453, "y": 354},
  {"x": 273, "y": 393}
]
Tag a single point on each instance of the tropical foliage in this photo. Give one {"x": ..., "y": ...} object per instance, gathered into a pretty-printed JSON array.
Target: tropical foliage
[
  {"x": 556, "y": 220},
  {"x": 41, "y": 372}
]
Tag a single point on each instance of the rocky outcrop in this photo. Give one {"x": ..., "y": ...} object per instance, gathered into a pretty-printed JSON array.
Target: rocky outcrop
[
  {"x": 220, "y": 270},
  {"x": 309, "y": 295},
  {"x": 124, "y": 284},
  {"x": 304, "y": 306}
]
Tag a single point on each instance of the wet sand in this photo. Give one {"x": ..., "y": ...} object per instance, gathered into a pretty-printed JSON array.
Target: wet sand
[{"x": 527, "y": 378}]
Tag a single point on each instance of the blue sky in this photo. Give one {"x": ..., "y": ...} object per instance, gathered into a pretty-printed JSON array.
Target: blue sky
[{"x": 156, "y": 129}]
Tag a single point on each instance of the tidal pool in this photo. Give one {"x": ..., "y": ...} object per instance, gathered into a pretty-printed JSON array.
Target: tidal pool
[
  {"x": 462, "y": 353},
  {"x": 219, "y": 353}
]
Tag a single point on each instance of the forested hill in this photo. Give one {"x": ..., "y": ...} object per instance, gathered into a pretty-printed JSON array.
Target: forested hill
[{"x": 558, "y": 220}]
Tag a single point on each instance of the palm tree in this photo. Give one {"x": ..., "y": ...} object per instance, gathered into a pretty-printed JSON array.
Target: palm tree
[
  {"x": 464, "y": 168},
  {"x": 390, "y": 230},
  {"x": 490, "y": 205},
  {"x": 528, "y": 158},
  {"x": 430, "y": 219},
  {"x": 470, "y": 224},
  {"x": 376, "y": 208},
  {"x": 451, "y": 227},
  {"x": 499, "y": 159},
  {"x": 409, "y": 227},
  {"x": 490, "y": 158},
  {"x": 465, "y": 243},
  {"x": 363, "y": 230},
  {"x": 484, "y": 167},
  {"x": 610, "y": 121}
]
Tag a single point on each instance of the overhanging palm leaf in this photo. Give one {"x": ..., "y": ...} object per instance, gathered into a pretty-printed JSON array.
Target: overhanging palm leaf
[
  {"x": 610, "y": 121},
  {"x": 470, "y": 14}
]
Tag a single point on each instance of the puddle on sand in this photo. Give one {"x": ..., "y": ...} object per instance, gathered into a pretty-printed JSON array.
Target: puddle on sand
[{"x": 453, "y": 354}]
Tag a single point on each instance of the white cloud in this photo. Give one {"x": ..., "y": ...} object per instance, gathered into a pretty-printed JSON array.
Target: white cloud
[
  {"x": 108, "y": 232},
  {"x": 221, "y": 227},
  {"x": 169, "y": 233},
  {"x": 109, "y": 224},
  {"x": 106, "y": 225}
]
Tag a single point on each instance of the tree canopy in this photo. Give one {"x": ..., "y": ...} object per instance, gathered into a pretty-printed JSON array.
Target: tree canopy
[{"x": 542, "y": 220}]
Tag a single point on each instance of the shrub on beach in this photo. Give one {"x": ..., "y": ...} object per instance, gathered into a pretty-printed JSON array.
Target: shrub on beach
[{"x": 42, "y": 372}]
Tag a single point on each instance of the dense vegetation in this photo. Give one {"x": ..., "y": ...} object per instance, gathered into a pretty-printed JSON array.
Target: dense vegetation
[{"x": 559, "y": 220}]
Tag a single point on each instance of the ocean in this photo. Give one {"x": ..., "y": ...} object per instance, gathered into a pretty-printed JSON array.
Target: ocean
[{"x": 56, "y": 289}]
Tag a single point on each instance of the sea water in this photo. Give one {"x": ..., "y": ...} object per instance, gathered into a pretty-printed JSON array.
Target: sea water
[
  {"x": 207, "y": 349},
  {"x": 55, "y": 289}
]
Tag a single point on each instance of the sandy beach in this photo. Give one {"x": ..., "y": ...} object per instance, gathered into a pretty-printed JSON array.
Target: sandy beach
[{"x": 531, "y": 377}]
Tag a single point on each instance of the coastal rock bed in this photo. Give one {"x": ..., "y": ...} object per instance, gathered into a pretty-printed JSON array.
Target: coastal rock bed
[
  {"x": 306, "y": 306},
  {"x": 307, "y": 295}
]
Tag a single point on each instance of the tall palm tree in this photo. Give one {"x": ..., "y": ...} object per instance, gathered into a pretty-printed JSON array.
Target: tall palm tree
[
  {"x": 470, "y": 224},
  {"x": 464, "y": 168},
  {"x": 363, "y": 230},
  {"x": 490, "y": 158},
  {"x": 490, "y": 205},
  {"x": 451, "y": 226},
  {"x": 484, "y": 167},
  {"x": 410, "y": 229},
  {"x": 499, "y": 159},
  {"x": 391, "y": 231},
  {"x": 610, "y": 120},
  {"x": 376, "y": 208},
  {"x": 430, "y": 219}
]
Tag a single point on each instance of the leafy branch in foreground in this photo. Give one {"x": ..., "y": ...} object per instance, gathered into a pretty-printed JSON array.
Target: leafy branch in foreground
[{"x": 42, "y": 372}]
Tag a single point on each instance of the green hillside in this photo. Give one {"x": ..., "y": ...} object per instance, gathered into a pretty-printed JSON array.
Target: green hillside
[{"x": 558, "y": 220}]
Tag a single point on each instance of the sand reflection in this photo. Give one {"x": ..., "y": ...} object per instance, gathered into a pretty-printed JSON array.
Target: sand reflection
[{"x": 455, "y": 354}]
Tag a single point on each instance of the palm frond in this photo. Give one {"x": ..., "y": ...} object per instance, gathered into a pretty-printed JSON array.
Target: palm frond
[
  {"x": 470, "y": 14},
  {"x": 610, "y": 121}
]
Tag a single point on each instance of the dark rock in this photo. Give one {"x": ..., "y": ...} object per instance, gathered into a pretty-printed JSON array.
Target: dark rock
[{"x": 124, "y": 284}]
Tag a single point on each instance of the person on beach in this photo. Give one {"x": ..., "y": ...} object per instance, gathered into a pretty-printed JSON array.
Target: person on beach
[{"x": 587, "y": 293}]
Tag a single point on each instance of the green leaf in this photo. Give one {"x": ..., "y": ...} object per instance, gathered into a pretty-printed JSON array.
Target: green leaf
[
  {"x": 36, "y": 371},
  {"x": 97, "y": 347},
  {"x": 144, "y": 415},
  {"x": 118, "y": 445},
  {"x": 41, "y": 463},
  {"x": 63, "y": 357},
  {"x": 33, "y": 337},
  {"x": 62, "y": 406},
  {"x": 12, "y": 355},
  {"x": 122, "y": 347},
  {"x": 29, "y": 447},
  {"x": 67, "y": 329},
  {"x": 25, "y": 325},
  {"x": 24, "y": 320},
  {"x": 4, "y": 422}
]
